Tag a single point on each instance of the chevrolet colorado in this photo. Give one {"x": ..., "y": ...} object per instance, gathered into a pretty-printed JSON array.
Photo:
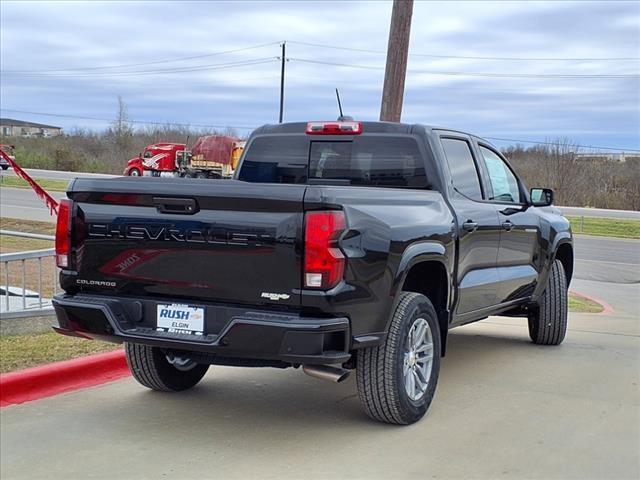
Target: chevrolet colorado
[{"x": 337, "y": 246}]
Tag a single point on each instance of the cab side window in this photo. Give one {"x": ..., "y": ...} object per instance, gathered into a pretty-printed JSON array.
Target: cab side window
[
  {"x": 462, "y": 167},
  {"x": 503, "y": 182}
]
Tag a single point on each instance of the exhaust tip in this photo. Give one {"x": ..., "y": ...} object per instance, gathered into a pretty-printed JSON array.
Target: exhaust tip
[{"x": 327, "y": 372}]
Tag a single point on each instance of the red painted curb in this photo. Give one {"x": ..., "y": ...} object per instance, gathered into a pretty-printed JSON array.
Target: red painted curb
[
  {"x": 607, "y": 309},
  {"x": 54, "y": 378}
]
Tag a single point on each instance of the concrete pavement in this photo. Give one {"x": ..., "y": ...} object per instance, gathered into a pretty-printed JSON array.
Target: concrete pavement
[{"x": 504, "y": 408}]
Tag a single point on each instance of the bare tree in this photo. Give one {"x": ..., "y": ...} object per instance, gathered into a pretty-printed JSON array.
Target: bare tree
[
  {"x": 120, "y": 135},
  {"x": 121, "y": 126}
]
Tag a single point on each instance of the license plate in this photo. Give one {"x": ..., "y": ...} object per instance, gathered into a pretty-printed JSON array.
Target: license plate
[{"x": 175, "y": 318}]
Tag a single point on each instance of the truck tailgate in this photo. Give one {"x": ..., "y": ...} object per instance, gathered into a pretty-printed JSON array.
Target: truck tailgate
[{"x": 213, "y": 240}]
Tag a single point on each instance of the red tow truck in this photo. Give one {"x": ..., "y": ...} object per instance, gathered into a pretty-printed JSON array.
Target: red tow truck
[{"x": 212, "y": 156}]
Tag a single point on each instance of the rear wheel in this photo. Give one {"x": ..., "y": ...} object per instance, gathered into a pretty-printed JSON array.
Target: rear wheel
[
  {"x": 152, "y": 368},
  {"x": 397, "y": 380},
  {"x": 548, "y": 322}
]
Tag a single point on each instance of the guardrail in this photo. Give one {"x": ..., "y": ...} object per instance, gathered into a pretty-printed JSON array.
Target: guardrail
[{"x": 33, "y": 270}]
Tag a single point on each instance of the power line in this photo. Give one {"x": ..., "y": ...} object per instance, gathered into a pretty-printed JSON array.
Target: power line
[
  {"x": 309, "y": 44},
  {"x": 194, "y": 68},
  {"x": 474, "y": 74},
  {"x": 128, "y": 65},
  {"x": 141, "y": 122},
  {"x": 468, "y": 57},
  {"x": 555, "y": 143}
]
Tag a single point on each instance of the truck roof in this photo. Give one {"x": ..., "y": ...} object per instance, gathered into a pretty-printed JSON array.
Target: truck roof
[{"x": 367, "y": 127}]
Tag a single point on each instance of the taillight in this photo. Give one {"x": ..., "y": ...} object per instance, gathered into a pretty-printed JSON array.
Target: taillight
[
  {"x": 334, "y": 128},
  {"x": 323, "y": 260},
  {"x": 63, "y": 233}
]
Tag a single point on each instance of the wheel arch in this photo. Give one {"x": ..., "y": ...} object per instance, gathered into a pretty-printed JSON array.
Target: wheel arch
[
  {"x": 423, "y": 269},
  {"x": 564, "y": 253}
]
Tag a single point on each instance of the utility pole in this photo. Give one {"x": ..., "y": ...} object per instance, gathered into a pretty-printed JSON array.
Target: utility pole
[
  {"x": 282, "y": 80},
  {"x": 397, "y": 54}
]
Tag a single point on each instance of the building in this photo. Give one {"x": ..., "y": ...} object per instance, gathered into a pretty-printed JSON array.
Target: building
[
  {"x": 604, "y": 157},
  {"x": 19, "y": 128}
]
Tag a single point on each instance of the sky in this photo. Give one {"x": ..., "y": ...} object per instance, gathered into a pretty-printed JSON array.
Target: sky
[{"x": 513, "y": 70}]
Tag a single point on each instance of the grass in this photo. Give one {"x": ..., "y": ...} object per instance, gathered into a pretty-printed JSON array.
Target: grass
[
  {"x": 24, "y": 351},
  {"x": 580, "y": 304},
  {"x": 28, "y": 226},
  {"x": 47, "y": 184},
  {"x": 605, "y": 227}
]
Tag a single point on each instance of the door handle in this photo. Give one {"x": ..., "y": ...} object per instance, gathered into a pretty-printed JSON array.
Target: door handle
[
  {"x": 470, "y": 226},
  {"x": 508, "y": 226}
]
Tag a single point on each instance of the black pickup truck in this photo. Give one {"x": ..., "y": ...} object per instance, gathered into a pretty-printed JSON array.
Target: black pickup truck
[{"x": 337, "y": 246}]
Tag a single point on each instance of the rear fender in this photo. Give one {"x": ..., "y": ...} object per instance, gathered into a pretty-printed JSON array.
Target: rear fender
[{"x": 420, "y": 253}]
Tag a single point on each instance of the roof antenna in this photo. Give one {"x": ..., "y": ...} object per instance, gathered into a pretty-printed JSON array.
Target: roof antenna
[{"x": 341, "y": 118}]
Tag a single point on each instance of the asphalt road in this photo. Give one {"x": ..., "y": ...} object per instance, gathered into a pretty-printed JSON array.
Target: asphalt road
[
  {"x": 587, "y": 212},
  {"x": 601, "y": 212},
  {"x": 57, "y": 175},
  {"x": 597, "y": 258},
  {"x": 614, "y": 260},
  {"x": 23, "y": 203},
  {"x": 13, "y": 199}
]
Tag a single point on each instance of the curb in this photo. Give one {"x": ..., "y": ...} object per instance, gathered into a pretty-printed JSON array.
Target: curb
[
  {"x": 606, "y": 308},
  {"x": 55, "y": 378}
]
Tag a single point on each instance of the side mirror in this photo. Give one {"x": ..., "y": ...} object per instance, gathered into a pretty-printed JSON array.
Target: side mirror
[
  {"x": 140, "y": 155},
  {"x": 541, "y": 197}
]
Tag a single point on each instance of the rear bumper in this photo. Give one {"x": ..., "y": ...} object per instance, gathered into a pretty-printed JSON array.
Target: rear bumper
[{"x": 230, "y": 332}]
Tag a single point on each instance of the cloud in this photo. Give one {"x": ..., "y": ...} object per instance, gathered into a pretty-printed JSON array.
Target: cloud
[{"x": 73, "y": 35}]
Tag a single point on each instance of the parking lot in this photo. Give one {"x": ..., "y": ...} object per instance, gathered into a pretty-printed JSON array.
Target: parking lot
[{"x": 504, "y": 408}]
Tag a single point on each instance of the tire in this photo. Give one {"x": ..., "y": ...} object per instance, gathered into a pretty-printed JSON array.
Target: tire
[
  {"x": 150, "y": 367},
  {"x": 134, "y": 172},
  {"x": 201, "y": 175},
  {"x": 548, "y": 322},
  {"x": 380, "y": 370}
]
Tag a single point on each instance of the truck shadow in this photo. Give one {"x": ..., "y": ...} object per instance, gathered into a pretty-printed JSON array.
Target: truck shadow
[{"x": 257, "y": 400}]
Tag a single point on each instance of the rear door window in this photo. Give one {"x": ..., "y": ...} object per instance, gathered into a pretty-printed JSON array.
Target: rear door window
[{"x": 462, "y": 167}]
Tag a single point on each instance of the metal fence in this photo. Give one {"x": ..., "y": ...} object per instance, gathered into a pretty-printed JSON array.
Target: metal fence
[{"x": 35, "y": 269}]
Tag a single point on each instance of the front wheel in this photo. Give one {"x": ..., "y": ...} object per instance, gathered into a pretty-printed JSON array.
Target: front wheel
[
  {"x": 548, "y": 322},
  {"x": 134, "y": 172},
  {"x": 151, "y": 368},
  {"x": 397, "y": 380}
]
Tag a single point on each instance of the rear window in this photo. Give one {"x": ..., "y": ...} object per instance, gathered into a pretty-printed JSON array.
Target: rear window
[{"x": 367, "y": 161}]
